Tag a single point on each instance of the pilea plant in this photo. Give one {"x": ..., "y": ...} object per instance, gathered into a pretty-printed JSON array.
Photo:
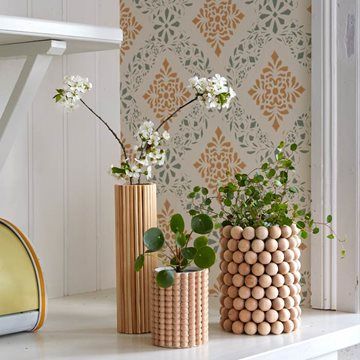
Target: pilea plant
[
  {"x": 183, "y": 250},
  {"x": 263, "y": 197}
]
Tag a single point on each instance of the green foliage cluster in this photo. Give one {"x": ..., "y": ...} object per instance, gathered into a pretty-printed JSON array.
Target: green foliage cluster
[
  {"x": 183, "y": 251},
  {"x": 263, "y": 197}
]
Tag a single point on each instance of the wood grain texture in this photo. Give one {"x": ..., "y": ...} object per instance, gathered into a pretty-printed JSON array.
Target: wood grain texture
[
  {"x": 135, "y": 212},
  {"x": 180, "y": 313}
]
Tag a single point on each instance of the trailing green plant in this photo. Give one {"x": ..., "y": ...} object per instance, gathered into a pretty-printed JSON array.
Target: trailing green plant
[
  {"x": 265, "y": 196},
  {"x": 183, "y": 249}
]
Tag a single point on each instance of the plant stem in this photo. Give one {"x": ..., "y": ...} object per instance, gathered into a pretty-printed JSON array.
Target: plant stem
[
  {"x": 175, "y": 112},
  {"x": 171, "y": 249},
  {"x": 108, "y": 127}
]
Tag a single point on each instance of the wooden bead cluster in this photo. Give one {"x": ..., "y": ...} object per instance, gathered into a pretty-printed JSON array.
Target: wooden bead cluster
[
  {"x": 260, "y": 279},
  {"x": 180, "y": 313}
]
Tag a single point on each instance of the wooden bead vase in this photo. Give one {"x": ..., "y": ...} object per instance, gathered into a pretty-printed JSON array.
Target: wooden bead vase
[
  {"x": 180, "y": 312},
  {"x": 260, "y": 280}
]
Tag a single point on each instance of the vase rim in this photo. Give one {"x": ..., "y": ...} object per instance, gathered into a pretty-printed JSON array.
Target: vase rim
[
  {"x": 186, "y": 271},
  {"x": 134, "y": 185}
]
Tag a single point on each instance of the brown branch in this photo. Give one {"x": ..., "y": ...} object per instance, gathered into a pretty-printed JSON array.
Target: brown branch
[
  {"x": 107, "y": 126},
  {"x": 174, "y": 113}
]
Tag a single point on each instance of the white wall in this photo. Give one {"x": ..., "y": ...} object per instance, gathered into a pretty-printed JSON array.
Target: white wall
[{"x": 55, "y": 184}]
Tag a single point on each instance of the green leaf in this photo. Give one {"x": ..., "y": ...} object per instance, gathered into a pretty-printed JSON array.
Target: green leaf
[
  {"x": 202, "y": 224},
  {"x": 293, "y": 189},
  {"x": 343, "y": 253},
  {"x": 300, "y": 224},
  {"x": 180, "y": 239},
  {"x": 293, "y": 147},
  {"x": 165, "y": 278},
  {"x": 177, "y": 223},
  {"x": 196, "y": 189},
  {"x": 154, "y": 239},
  {"x": 188, "y": 253},
  {"x": 271, "y": 173},
  {"x": 205, "y": 257},
  {"x": 200, "y": 241},
  {"x": 281, "y": 145},
  {"x": 329, "y": 218},
  {"x": 316, "y": 230},
  {"x": 192, "y": 212},
  {"x": 264, "y": 166},
  {"x": 139, "y": 262},
  {"x": 204, "y": 191},
  {"x": 303, "y": 234},
  {"x": 258, "y": 178},
  {"x": 331, "y": 236},
  {"x": 117, "y": 170}
]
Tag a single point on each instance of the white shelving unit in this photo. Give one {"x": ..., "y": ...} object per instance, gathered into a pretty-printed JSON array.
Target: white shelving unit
[{"x": 39, "y": 41}]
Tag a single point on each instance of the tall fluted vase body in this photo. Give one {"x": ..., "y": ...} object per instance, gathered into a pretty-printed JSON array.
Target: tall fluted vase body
[
  {"x": 135, "y": 212},
  {"x": 180, "y": 313}
]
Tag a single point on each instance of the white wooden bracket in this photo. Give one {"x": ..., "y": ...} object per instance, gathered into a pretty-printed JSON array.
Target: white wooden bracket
[{"x": 38, "y": 58}]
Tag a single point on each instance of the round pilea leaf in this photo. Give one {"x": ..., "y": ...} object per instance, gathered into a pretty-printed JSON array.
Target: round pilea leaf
[
  {"x": 177, "y": 223},
  {"x": 165, "y": 278},
  {"x": 189, "y": 253},
  {"x": 139, "y": 262},
  {"x": 200, "y": 241},
  {"x": 180, "y": 239},
  {"x": 202, "y": 224},
  {"x": 154, "y": 239},
  {"x": 205, "y": 257}
]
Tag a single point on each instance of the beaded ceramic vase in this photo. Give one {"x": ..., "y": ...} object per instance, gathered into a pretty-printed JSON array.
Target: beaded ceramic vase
[
  {"x": 260, "y": 280},
  {"x": 180, "y": 312}
]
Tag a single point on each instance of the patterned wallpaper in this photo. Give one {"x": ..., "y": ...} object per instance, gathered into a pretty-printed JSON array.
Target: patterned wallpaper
[{"x": 262, "y": 47}]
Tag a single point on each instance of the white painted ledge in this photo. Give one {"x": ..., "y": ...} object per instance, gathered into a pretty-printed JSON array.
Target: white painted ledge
[
  {"x": 78, "y": 37},
  {"x": 83, "y": 327}
]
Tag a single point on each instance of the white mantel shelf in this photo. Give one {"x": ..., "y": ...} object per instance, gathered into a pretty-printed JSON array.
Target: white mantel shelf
[
  {"x": 39, "y": 41},
  {"x": 78, "y": 37},
  {"x": 82, "y": 327}
]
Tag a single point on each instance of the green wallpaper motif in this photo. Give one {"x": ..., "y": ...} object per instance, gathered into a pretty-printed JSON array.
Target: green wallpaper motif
[{"x": 263, "y": 48}]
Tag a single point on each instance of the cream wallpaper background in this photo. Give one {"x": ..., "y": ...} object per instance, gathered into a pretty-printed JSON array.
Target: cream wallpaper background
[{"x": 262, "y": 47}]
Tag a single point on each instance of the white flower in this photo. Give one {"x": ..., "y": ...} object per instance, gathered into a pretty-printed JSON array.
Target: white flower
[
  {"x": 199, "y": 85},
  {"x": 213, "y": 92},
  {"x": 143, "y": 161},
  {"x": 148, "y": 172},
  {"x": 75, "y": 87},
  {"x": 166, "y": 135}
]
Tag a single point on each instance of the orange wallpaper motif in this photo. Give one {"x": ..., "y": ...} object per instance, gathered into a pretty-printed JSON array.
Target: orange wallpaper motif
[{"x": 276, "y": 90}]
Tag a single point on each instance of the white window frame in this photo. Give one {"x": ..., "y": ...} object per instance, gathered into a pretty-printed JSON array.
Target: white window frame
[{"x": 335, "y": 152}]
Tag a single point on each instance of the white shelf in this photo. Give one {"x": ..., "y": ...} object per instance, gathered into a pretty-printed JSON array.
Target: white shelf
[
  {"x": 83, "y": 327},
  {"x": 78, "y": 37},
  {"x": 39, "y": 41}
]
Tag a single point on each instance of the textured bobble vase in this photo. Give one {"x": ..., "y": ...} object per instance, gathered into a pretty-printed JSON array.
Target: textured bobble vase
[
  {"x": 180, "y": 312},
  {"x": 135, "y": 212},
  {"x": 260, "y": 280}
]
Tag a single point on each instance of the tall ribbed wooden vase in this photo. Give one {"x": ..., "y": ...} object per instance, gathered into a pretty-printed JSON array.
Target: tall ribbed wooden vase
[{"x": 135, "y": 211}]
